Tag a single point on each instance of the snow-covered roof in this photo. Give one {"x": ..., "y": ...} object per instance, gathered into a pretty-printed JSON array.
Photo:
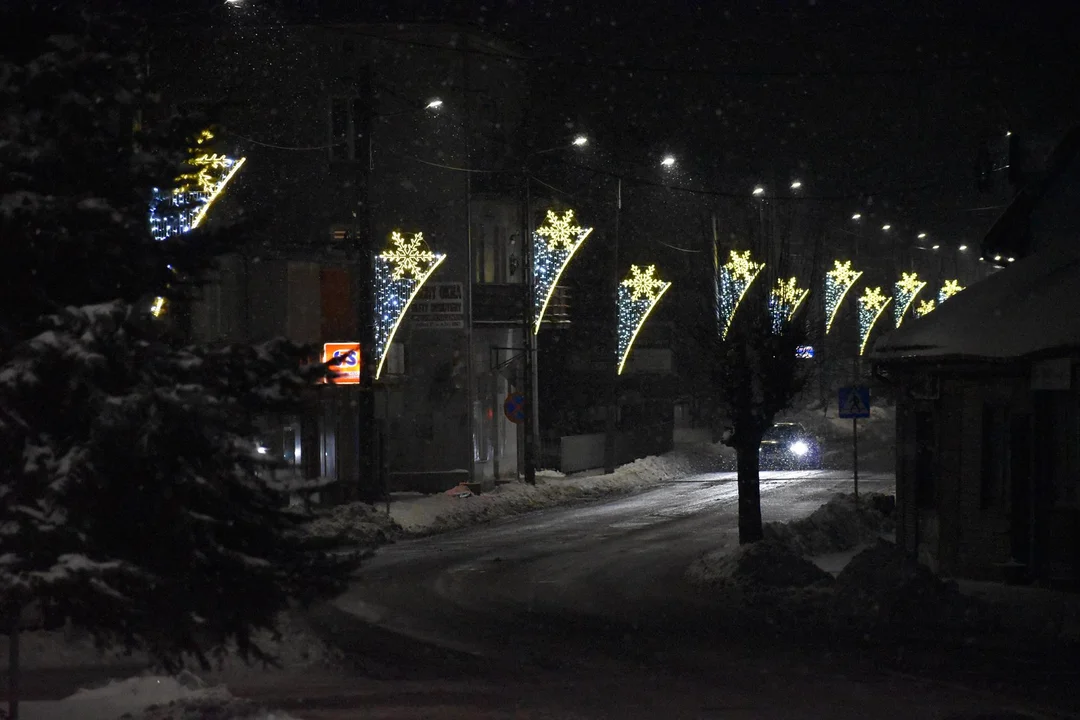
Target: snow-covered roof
[{"x": 1030, "y": 306}]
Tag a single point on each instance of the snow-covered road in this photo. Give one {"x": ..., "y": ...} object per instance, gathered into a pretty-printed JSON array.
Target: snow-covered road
[{"x": 585, "y": 612}]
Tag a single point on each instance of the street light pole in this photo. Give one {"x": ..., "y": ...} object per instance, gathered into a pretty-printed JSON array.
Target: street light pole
[
  {"x": 613, "y": 389},
  {"x": 529, "y": 455}
]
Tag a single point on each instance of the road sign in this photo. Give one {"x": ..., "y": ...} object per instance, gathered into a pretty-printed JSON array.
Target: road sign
[
  {"x": 349, "y": 361},
  {"x": 854, "y": 402},
  {"x": 805, "y": 352},
  {"x": 514, "y": 407}
]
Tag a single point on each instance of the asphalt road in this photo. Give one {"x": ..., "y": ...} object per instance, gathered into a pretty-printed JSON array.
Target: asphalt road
[{"x": 585, "y": 612}]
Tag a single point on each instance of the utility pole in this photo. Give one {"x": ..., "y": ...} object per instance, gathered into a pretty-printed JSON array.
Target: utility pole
[
  {"x": 612, "y": 424},
  {"x": 527, "y": 338}
]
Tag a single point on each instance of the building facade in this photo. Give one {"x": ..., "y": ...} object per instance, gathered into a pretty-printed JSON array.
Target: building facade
[{"x": 352, "y": 132}]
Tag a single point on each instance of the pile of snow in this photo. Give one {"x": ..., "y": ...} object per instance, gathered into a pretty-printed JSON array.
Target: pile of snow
[
  {"x": 297, "y": 647},
  {"x": 440, "y": 513},
  {"x": 766, "y": 564},
  {"x": 360, "y": 523},
  {"x": 184, "y": 697},
  {"x": 884, "y": 591},
  {"x": 840, "y": 524}
]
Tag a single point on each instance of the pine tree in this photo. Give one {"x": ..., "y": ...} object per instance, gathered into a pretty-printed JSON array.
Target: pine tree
[{"x": 133, "y": 499}]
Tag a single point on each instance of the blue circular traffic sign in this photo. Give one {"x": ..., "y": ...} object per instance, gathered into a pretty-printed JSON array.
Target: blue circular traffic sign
[{"x": 514, "y": 407}]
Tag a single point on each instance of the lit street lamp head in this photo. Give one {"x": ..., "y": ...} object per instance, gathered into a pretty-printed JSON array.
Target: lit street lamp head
[
  {"x": 434, "y": 104},
  {"x": 796, "y": 184},
  {"x": 963, "y": 247},
  {"x": 921, "y": 235},
  {"x": 581, "y": 140},
  {"x": 936, "y": 247},
  {"x": 759, "y": 191},
  {"x": 886, "y": 228},
  {"x": 856, "y": 216},
  {"x": 668, "y": 161}
]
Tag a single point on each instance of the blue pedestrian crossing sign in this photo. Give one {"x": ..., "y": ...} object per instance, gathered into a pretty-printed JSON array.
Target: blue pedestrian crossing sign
[{"x": 854, "y": 402}]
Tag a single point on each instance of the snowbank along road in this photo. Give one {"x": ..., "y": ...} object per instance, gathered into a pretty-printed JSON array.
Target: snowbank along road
[{"x": 586, "y": 612}]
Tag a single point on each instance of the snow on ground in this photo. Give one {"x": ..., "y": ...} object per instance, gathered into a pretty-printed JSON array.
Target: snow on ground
[
  {"x": 440, "y": 513},
  {"x": 298, "y": 648},
  {"x": 184, "y": 697},
  {"x": 839, "y": 525}
]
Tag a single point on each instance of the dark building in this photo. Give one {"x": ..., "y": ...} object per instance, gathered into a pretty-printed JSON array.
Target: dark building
[{"x": 988, "y": 410}]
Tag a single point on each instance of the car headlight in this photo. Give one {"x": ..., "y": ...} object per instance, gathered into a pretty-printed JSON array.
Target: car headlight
[{"x": 799, "y": 448}]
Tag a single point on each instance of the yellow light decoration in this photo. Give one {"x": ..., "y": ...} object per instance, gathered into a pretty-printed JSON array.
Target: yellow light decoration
[
  {"x": 216, "y": 192},
  {"x": 734, "y": 279},
  {"x": 554, "y": 245},
  {"x": 950, "y": 288},
  {"x": 638, "y": 295},
  {"x": 925, "y": 308},
  {"x": 407, "y": 256},
  {"x": 871, "y": 305},
  {"x": 838, "y": 282},
  {"x": 784, "y": 301},
  {"x": 400, "y": 274},
  {"x": 905, "y": 291},
  {"x": 157, "y": 309}
]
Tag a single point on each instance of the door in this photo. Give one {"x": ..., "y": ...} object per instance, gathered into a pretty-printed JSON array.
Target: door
[{"x": 1021, "y": 490}]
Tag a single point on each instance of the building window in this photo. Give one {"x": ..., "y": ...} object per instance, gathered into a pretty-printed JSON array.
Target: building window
[
  {"x": 995, "y": 454},
  {"x": 348, "y": 121},
  {"x": 395, "y": 360}
]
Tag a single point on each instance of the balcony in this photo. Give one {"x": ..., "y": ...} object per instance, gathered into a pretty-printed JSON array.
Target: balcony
[{"x": 500, "y": 304}]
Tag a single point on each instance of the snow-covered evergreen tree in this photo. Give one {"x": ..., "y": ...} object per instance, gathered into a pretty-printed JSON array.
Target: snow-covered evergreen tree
[{"x": 133, "y": 500}]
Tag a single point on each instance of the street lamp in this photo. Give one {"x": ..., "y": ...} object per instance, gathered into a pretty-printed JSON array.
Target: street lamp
[
  {"x": 433, "y": 104},
  {"x": 531, "y": 429},
  {"x": 856, "y": 216},
  {"x": 962, "y": 248},
  {"x": 886, "y": 227},
  {"x": 668, "y": 161},
  {"x": 796, "y": 184},
  {"x": 758, "y": 191},
  {"x": 935, "y": 247},
  {"x": 921, "y": 236}
]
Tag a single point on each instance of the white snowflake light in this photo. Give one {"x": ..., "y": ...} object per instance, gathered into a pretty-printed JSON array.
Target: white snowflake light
[
  {"x": 554, "y": 245},
  {"x": 400, "y": 273},
  {"x": 950, "y": 288},
  {"x": 733, "y": 280},
  {"x": 871, "y": 305},
  {"x": 784, "y": 302},
  {"x": 905, "y": 291},
  {"x": 638, "y": 295},
  {"x": 838, "y": 282}
]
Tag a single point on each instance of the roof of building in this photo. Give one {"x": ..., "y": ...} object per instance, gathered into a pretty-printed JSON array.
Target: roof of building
[{"x": 1030, "y": 307}]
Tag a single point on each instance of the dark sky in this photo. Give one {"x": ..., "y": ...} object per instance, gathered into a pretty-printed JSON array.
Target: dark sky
[{"x": 853, "y": 97}]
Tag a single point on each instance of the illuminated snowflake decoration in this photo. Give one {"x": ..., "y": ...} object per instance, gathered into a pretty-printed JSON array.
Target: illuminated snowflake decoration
[
  {"x": 560, "y": 232},
  {"x": 554, "y": 245},
  {"x": 838, "y": 282},
  {"x": 643, "y": 283},
  {"x": 925, "y": 308},
  {"x": 408, "y": 257},
  {"x": 904, "y": 292},
  {"x": 950, "y": 288},
  {"x": 638, "y": 295},
  {"x": 400, "y": 272},
  {"x": 784, "y": 302},
  {"x": 871, "y": 305},
  {"x": 733, "y": 280}
]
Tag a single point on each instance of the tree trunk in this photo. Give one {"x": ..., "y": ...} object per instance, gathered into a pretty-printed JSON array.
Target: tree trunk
[
  {"x": 749, "y": 494},
  {"x": 13, "y": 666}
]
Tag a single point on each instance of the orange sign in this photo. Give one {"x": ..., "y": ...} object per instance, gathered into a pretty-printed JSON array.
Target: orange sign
[{"x": 349, "y": 362}]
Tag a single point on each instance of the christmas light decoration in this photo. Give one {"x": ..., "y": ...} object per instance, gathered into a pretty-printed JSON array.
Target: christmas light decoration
[
  {"x": 784, "y": 301},
  {"x": 837, "y": 283},
  {"x": 925, "y": 308},
  {"x": 871, "y": 305},
  {"x": 638, "y": 295},
  {"x": 400, "y": 273},
  {"x": 185, "y": 207},
  {"x": 554, "y": 245},
  {"x": 734, "y": 279},
  {"x": 905, "y": 291},
  {"x": 950, "y": 288}
]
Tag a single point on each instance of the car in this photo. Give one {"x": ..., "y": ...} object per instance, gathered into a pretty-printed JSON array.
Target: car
[{"x": 789, "y": 446}]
